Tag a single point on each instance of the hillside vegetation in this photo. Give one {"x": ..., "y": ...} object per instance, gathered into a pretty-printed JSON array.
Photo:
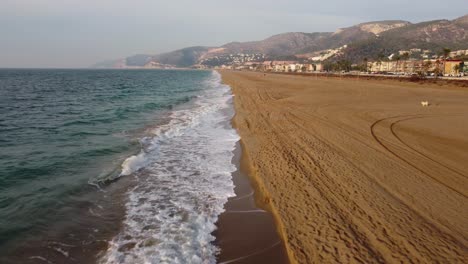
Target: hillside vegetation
[{"x": 371, "y": 40}]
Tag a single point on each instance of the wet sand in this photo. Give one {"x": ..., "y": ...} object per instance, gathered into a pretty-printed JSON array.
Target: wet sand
[
  {"x": 357, "y": 171},
  {"x": 247, "y": 233}
]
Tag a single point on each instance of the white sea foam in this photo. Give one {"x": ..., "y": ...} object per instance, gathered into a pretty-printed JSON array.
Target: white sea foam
[{"x": 184, "y": 180}]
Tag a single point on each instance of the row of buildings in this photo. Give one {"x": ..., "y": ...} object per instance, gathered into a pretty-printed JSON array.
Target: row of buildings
[
  {"x": 458, "y": 53},
  {"x": 277, "y": 66},
  {"x": 290, "y": 66},
  {"x": 231, "y": 59},
  {"x": 433, "y": 67},
  {"x": 438, "y": 67}
]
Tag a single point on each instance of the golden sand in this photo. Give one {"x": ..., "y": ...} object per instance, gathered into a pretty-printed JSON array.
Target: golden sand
[{"x": 357, "y": 170}]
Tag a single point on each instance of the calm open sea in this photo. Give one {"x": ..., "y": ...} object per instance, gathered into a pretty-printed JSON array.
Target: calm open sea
[{"x": 113, "y": 166}]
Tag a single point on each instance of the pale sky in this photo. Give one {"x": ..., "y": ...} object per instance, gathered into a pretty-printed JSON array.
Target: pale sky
[{"x": 78, "y": 33}]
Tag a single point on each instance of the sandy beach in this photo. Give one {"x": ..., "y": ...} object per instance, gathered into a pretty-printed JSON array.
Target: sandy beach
[{"x": 357, "y": 171}]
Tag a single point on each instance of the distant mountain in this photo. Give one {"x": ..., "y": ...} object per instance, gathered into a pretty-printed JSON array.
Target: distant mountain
[
  {"x": 299, "y": 42},
  {"x": 367, "y": 40},
  {"x": 382, "y": 26},
  {"x": 278, "y": 45},
  {"x": 432, "y": 35},
  {"x": 462, "y": 21},
  {"x": 182, "y": 58},
  {"x": 138, "y": 60}
]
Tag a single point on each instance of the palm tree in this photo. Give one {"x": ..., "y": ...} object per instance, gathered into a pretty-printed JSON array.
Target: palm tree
[
  {"x": 405, "y": 56},
  {"x": 446, "y": 52},
  {"x": 457, "y": 68},
  {"x": 438, "y": 70},
  {"x": 397, "y": 58},
  {"x": 427, "y": 66},
  {"x": 379, "y": 63}
]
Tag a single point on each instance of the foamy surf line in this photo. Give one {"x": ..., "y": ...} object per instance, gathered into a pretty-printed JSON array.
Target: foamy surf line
[{"x": 184, "y": 175}]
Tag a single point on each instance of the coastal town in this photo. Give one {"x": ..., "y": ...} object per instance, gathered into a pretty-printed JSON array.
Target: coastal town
[{"x": 404, "y": 63}]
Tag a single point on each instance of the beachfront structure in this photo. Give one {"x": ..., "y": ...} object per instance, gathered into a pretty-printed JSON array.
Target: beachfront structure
[
  {"x": 453, "y": 67},
  {"x": 286, "y": 66},
  {"x": 314, "y": 67},
  {"x": 318, "y": 67},
  {"x": 227, "y": 67},
  {"x": 291, "y": 68},
  {"x": 458, "y": 53},
  {"x": 408, "y": 66},
  {"x": 281, "y": 66},
  {"x": 267, "y": 66},
  {"x": 379, "y": 66},
  {"x": 276, "y": 66},
  {"x": 304, "y": 68},
  {"x": 445, "y": 67}
]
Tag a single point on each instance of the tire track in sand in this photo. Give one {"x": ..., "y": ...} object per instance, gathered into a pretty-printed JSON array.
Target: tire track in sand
[
  {"x": 392, "y": 129},
  {"x": 380, "y": 142}
]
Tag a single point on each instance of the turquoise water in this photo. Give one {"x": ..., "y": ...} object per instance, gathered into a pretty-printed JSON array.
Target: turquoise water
[{"x": 63, "y": 131}]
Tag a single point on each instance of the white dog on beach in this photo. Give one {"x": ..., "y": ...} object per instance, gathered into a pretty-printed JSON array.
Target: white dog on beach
[{"x": 425, "y": 103}]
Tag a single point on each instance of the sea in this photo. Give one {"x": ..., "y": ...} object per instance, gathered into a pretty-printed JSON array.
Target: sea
[{"x": 113, "y": 166}]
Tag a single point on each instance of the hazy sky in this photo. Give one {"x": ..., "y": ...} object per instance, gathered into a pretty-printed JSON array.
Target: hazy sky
[{"x": 78, "y": 33}]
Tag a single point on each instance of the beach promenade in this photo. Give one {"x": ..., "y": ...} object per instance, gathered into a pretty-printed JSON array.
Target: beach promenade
[{"x": 358, "y": 171}]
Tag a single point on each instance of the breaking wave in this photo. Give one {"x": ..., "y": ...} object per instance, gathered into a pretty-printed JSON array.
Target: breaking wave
[{"x": 184, "y": 179}]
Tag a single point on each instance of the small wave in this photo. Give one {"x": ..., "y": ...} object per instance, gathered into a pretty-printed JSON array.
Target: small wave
[
  {"x": 133, "y": 164},
  {"x": 42, "y": 259},
  {"x": 87, "y": 133},
  {"x": 180, "y": 121},
  {"x": 77, "y": 122},
  {"x": 151, "y": 106}
]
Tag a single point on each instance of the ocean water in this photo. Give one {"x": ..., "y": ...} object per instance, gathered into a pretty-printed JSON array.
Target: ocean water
[{"x": 113, "y": 166}]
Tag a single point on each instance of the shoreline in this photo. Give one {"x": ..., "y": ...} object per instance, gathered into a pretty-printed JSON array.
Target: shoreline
[
  {"x": 356, "y": 171},
  {"x": 245, "y": 231},
  {"x": 261, "y": 197}
]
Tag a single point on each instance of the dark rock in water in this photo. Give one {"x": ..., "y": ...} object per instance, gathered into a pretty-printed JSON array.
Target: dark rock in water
[
  {"x": 149, "y": 242},
  {"x": 127, "y": 247},
  {"x": 150, "y": 227}
]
